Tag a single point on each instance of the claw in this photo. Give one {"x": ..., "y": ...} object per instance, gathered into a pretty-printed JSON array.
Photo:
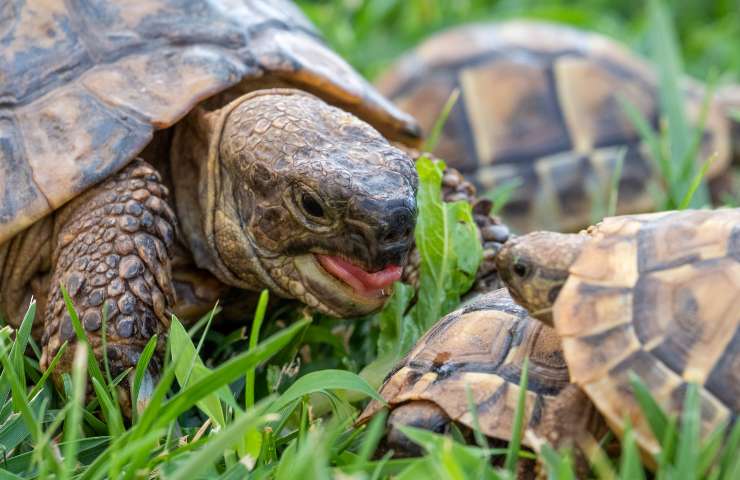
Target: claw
[{"x": 146, "y": 390}]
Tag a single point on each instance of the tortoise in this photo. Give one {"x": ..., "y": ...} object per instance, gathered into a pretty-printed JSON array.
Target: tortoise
[
  {"x": 657, "y": 295},
  {"x": 483, "y": 346},
  {"x": 540, "y": 105},
  {"x": 275, "y": 150}
]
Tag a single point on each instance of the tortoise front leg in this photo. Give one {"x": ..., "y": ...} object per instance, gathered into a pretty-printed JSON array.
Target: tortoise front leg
[{"x": 112, "y": 253}]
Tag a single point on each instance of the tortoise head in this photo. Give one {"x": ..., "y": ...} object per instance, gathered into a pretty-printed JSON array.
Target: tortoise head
[
  {"x": 419, "y": 414},
  {"x": 311, "y": 202},
  {"x": 535, "y": 267}
]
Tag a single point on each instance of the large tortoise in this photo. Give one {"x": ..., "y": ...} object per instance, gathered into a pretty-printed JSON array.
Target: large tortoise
[
  {"x": 540, "y": 103},
  {"x": 270, "y": 144},
  {"x": 482, "y": 347},
  {"x": 654, "y": 294}
]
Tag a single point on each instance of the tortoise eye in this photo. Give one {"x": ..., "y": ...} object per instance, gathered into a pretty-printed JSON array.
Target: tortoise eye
[
  {"x": 311, "y": 205},
  {"x": 520, "y": 269}
]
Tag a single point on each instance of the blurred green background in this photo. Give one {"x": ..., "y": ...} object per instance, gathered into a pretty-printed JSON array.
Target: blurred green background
[{"x": 372, "y": 33}]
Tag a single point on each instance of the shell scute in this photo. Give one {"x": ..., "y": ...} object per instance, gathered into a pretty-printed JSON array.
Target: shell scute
[
  {"x": 85, "y": 90},
  {"x": 676, "y": 320},
  {"x": 484, "y": 346}
]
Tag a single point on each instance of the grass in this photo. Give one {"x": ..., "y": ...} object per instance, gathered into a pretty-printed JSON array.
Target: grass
[
  {"x": 214, "y": 422},
  {"x": 279, "y": 402}
]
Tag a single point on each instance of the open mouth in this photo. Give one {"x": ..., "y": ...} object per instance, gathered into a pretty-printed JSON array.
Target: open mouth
[{"x": 368, "y": 284}]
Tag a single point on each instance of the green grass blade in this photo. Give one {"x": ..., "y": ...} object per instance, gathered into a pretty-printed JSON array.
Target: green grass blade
[
  {"x": 190, "y": 368},
  {"x": 21, "y": 341},
  {"x": 324, "y": 380},
  {"x": 373, "y": 434},
  {"x": 72, "y": 430},
  {"x": 49, "y": 370},
  {"x": 696, "y": 183},
  {"x": 501, "y": 195},
  {"x": 92, "y": 361},
  {"x": 687, "y": 455},
  {"x": 431, "y": 142},
  {"x": 22, "y": 405},
  {"x": 512, "y": 452},
  {"x": 630, "y": 466},
  {"x": 259, "y": 317},
  {"x": 13, "y": 430},
  {"x": 667, "y": 448},
  {"x": 601, "y": 463},
  {"x": 110, "y": 410},
  {"x": 710, "y": 450},
  {"x": 655, "y": 416},
  {"x": 126, "y": 450},
  {"x": 689, "y": 161},
  {"x": 558, "y": 465},
  {"x": 141, "y": 368},
  {"x": 217, "y": 444},
  {"x": 20, "y": 400},
  {"x": 664, "y": 52},
  {"x": 649, "y": 136},
  {"x": 226, "y": 373},
  {"x": 730, "y": 460}
]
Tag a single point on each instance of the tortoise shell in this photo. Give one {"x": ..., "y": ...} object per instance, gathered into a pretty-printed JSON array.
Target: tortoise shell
[
  {"x": 82, "y": 91},
  {"x": 541, "y": 103},
  {"x": 657, "y": 295},
  {"x": 482, "y": 345}
]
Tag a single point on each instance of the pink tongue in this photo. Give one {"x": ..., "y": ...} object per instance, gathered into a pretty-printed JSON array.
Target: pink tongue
[{"x": 358, "y": 278}]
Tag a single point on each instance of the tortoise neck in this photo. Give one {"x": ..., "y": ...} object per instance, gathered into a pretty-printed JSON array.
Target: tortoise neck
[{"x": 207, "y": 203}]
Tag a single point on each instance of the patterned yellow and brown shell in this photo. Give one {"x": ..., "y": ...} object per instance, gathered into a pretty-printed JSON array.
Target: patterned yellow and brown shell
[
  {"x": 81, "y": 92},
  {"x": 541, "y": 103},
  {"x": 482, "y": 345},
  {"x": 657, "y": 295}
]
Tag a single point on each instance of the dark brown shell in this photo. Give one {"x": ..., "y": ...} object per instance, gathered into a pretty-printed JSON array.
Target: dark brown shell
[
  {"x": 657, "y": 295},
  {"x": 540, "y": 103},
  {"x": 482, "y": 345},
  {"x": 81, "y": 92}
]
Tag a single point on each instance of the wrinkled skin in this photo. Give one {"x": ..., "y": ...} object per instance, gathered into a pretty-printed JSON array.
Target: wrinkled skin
[
  {"x": 296, "y": 181},
  {"x": 535, "y": 266}
]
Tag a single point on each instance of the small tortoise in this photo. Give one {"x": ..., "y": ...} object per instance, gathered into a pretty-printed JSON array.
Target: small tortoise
[
  {"x": 654, "y": 294},
  {"x": 540, "y": 102},
  {"x": 483, "y": 345},
  {"x": 238, "y": 109}
]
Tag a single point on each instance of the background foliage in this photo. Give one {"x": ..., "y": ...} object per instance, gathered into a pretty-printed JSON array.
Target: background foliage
[{"x": 372, "y": 33}]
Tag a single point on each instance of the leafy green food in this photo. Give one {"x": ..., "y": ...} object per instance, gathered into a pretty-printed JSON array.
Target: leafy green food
[{"x": 449, "y": 251}]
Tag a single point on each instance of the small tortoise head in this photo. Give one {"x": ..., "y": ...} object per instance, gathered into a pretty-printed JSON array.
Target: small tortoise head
[
  {"x": 313, "y": 202},
  {"x": 419, "y": 414},
  {"x": 535, "y": 267}
]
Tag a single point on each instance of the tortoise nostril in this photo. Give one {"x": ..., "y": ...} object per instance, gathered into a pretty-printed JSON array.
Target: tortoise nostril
[{"x": 400, "y": 228}]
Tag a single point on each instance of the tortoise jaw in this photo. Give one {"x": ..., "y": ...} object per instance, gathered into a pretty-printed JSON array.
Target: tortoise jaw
[{"x": 333, "y": 294}]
